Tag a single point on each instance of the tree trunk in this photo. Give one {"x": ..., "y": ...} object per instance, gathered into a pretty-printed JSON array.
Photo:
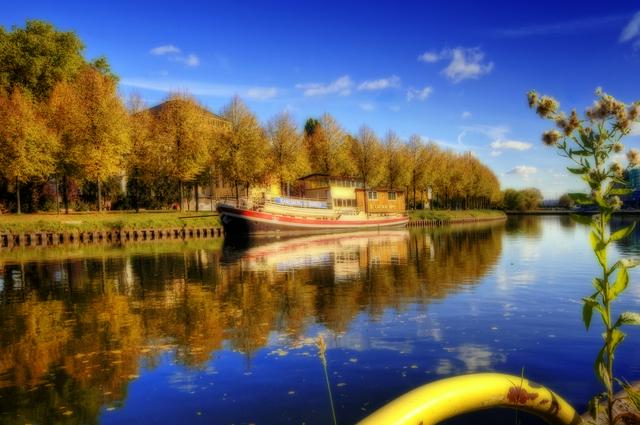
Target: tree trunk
[
  {"x": 211, "y": 189},
  {"x": 65, "y": 193},
  {"x": 237, "y": 193},
  {"x": 181, "y": 196},
  {"x": 197, "y": 199},
  {"x": 99, "y": 196},
  {"x": 18, "y": 195},
  {"x": 56, "y": 194}
]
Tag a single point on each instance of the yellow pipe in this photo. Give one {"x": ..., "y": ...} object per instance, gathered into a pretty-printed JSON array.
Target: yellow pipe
[{"x": 444, "y": 399}]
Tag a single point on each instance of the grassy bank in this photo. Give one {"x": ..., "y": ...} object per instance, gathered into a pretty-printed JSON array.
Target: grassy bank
[
  {"x": 453, "y": 215},
  {"x": 31, "y": 223}
]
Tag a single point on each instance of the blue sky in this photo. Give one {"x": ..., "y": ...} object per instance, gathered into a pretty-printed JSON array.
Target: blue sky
[{"x": 454, "y": 72}]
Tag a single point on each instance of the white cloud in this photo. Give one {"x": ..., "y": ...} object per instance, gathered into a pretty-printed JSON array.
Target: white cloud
[
  {"x": 632, "y": 30},
  {"x": 466, "y": 114},
  {"x": 498, "y": 136},
  {"x": 430, "y": 57},
  {"x": 510, "y": 144},
  {"x": 199, "y": 88},
  {"x": 380, "y": 84},
  {"x": 466, "y": 64},
  {"x": 191, "y": 60},
  {"x": 261, "y": 93},
  {"x": 342, "y": 86},
  {"x": 419, "y": 94},
  {"x": 524, "y": 171},
  {"x": 173, "y": 53},
  {"x": 164, "y": 50},
  {"x": 367, "y": 106},
  {"x": 635, "y": 129}
]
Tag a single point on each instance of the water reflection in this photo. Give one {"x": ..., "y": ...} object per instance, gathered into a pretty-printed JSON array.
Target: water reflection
[{"x": 77, "y": 330}]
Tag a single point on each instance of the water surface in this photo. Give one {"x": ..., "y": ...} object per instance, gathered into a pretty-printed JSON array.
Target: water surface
[{"x": 201, "y": 332}]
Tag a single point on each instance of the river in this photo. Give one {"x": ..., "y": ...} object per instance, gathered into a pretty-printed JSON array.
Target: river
[{"x": 225, "y": 332}]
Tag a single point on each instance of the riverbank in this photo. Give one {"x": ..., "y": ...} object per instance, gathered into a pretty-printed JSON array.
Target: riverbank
[
  {"x": 455, "y": 216},
  {"x": 96, "y": 222}
]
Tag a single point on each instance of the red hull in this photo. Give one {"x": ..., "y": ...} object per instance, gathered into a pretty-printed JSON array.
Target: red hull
[{"x": 238, "y": 221}]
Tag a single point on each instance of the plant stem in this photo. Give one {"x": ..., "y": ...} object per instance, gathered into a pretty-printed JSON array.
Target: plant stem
[{"x": 326, "y": 377}]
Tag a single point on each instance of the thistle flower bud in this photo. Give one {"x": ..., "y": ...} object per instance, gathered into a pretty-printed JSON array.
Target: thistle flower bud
[
  {"x": 532, "y": 98},
  {"x": 634, "y": 112},
  {"x": 547, "y": 106},
  {"x": 551, "y": 137},
  {"x": 616, "y": 202},
  {"x": 595, "y": 112},
  {"x": 617, "y": 169},
  {"x": 618, "y": 147},
  {"x": 574, "y": 121},
  {"x": 634, "y": 157}
]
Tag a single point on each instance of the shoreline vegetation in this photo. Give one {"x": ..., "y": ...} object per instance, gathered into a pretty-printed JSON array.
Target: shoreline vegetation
[{"x": 105, "y": 221}]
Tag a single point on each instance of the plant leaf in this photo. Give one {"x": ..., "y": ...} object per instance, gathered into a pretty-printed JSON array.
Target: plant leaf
[
  {"x": 620, "y": 191},
  {"x": 582, "y": 219},
  {"x": 581, "y": 198},
  {"x": 629, "y": 263},
  {"x": 587, "y": 310},
  {"x": 617, "y": 336},
  {"x": 576, "y": 170},
  {"x": 601, "y": 369},
  {"x": 623, "y": 233},
  {"x": 599, "y": 248},
  {"x": 622, "y": 280}
]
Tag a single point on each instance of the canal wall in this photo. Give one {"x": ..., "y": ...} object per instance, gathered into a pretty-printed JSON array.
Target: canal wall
[
  {"x": 10, "y": 240},
  {"x": 445, "y": 222}
]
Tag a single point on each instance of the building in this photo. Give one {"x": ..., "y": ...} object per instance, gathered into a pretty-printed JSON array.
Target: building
[{"x": 349, "y": 193}]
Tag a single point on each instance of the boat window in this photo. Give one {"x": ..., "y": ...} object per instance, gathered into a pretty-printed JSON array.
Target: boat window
[
  {"x": 373, "y": 195},
  {"x": 392, "y": 196}
]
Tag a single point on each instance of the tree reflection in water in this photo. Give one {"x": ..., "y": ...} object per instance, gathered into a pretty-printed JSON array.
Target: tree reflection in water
[{"x": 77, "y": 328}]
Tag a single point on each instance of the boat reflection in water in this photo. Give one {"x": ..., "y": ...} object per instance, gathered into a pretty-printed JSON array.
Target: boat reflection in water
[{"x": 347, "y": 254}]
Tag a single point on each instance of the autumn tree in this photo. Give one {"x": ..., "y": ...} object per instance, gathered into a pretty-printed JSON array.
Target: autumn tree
[
  {"x": 327, "y": 147},
  {"x": 37, "y": 57},
  {"x": 288, "y": 159},
  {"x": 414, "y": 154},
  {"x": 145, "y": 155},
  {"x": 395, "y": 173},
  {"x": 92, "y": 123},
  {"x": 28, "y": 146},
  {"x": 184, "y": 132},
  {"x": 565, "y": 201},
  {"x": 243, "y": 148},
  {"x": 366, "y": 153}
]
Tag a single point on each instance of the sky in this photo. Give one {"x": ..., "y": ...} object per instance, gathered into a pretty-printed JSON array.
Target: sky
[{"x": 454, "y": 72}]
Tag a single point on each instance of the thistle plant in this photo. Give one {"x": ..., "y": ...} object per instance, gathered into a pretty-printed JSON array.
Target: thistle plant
[{"x": 590, "y": 143}]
